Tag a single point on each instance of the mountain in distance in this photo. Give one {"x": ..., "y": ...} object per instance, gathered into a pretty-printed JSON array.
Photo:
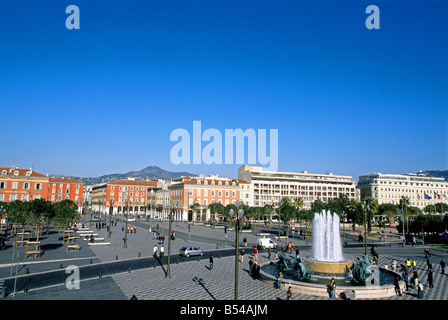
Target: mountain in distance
[
  {"x": 148, "y": 173},
  {"x": 437, "y": 173}
]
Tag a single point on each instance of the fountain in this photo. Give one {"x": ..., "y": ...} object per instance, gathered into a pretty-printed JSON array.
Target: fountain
[
  {"x": 327, "y": 261},
  {"x": 327, "y": 257}
]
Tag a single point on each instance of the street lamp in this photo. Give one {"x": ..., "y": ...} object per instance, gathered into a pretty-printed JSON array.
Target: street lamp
[
  {"x": 237, "y": 243},
  {"x": 365, "y": 209},
  {"x": 126, "y": 202},
  {"x": 151, "y": 203},
  {"x": 171, "y": 208},
  {"x": 111, "y": 208}
]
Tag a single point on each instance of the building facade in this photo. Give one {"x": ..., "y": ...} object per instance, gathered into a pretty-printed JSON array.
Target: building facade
[
  {"x": 22, "y": 184},
  {"x": 180, "y": 194},
  {"x": 63, "y": 188},
  {"x": 129, "y": 193},
  {"x": 269, "y": 187},
  {"x": 422, "y": 190}
]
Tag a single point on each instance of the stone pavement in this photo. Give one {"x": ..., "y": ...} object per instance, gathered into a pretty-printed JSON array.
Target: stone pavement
[{"x": 192, "y": 279}]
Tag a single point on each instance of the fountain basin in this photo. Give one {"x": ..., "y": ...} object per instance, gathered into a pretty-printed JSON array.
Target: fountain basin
[
  {"x": 329, "y": 267},
  {"x": 309, "y": 288}
]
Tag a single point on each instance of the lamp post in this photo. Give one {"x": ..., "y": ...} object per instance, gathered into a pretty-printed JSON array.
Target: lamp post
[
  {"x": 111, "y": 208},
  {"x": 189, "y": 193},
  {"x": 126, "y": 202},
  {"x": 240, "y": 213},
  {"x": 151, "y": 203},
  {"x": 171, "y": 208},
  {"x": 365, "y": 208}
]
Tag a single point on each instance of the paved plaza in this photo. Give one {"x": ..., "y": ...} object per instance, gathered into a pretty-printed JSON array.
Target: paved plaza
[{"x": 191, "y": 278}]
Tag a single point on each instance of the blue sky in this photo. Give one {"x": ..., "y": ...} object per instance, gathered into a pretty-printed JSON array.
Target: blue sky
[{"x": 105, "y": 98}]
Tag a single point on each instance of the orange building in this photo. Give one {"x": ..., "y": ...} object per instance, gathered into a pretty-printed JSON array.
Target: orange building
[
  {"x": 61, "y": 188},
  {"x": 22, "y": 184},
  {"x": 187, "y": 191},
  {"x": 135, "y": 191}
]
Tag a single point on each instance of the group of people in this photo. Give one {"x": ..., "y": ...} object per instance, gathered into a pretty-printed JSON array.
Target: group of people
[
  {"x": 254, "y": 268},
  {"x": 156, "y": 250},
  {"x": 129, "y": 229}
]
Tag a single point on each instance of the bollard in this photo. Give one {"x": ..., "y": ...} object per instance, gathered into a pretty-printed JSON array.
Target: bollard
[
  {"x": 91, "y": 261},
  {"x": 27, "y": 270},
  {"x": 61, "y": 266},
  {"x": 116, "y": 257},
  {"x": 100, "y": 275},
  {"x": 3, "y": 293},
  {"x": 139, "y": 254},
  {"x": 129, "y": 270}
]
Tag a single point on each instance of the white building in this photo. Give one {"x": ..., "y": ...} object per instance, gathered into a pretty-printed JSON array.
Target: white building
[
  {"x": 269, "y": 187},
  {"x": 421, "y": 189}
]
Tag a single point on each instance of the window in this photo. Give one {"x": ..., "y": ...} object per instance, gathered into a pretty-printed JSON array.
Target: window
[
  {"x": 2, "y": 185},
  {"x": 67, "y": 191},
  {"x": 13, "y": 197},
  {"x": 14, "y": 186},
  {"x": 26, "y": 186},
  {"x": 38, "y": 186},
  {"x": 2, "y": 197}
]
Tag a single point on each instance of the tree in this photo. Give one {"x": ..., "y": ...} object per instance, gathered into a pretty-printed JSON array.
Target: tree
[
  {"x": 41, "y": 213},
  {"x": 18, "y": 211},
  {"x": 287, "y": 211},
  {"x": 64, "y": 213},
  {"x": 389, "y": 210}
]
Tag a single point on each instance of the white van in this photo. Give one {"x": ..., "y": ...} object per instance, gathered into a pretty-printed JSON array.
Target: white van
[{"x": 264, "y": 243}]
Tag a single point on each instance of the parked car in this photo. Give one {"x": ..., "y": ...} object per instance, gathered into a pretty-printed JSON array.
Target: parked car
[{"x": 191, "y": 251}]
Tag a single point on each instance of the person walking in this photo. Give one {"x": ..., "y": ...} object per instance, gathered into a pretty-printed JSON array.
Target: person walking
[
  {"x": 430, "y": 279},
  {"x": 154, "y": 251},
  {"x": 429, "y": 264},
  {"x": 289, "y": 293},
  {"x": 332, "y": 288},
  {"x": 245, "y": 242},
  {"x": 269, "y": 253},
  {"x": 211, "y": 262},
  {"x": 442, "y": 265},
  {"x": 415, "y": 278},
  {"x": 162, "y": 251},
  {"x": 255, "y": 254},
  {"x": 279, "y": 280},
  {"x": 242, "y": 256},
  {"x": 394, "y": 265}
]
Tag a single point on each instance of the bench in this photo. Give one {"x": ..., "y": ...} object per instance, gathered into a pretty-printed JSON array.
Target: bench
[
  {"x": 99, "y": 243},
  {"x": 85, "y": 231},
  {"x": 95, "y": 239},
  {"x": 71, "y": 243}
]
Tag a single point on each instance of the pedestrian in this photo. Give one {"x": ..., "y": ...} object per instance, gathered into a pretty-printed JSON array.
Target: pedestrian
[
  {"x": 162, "y": 251},
  {"x": 430, "y": 279},
  {"x": 442, "y": 265},
  {"x": 251, "y": 265},
  {"x": 135, "y": 229},
  {"x": 421, "y": 291},
  {"x": 154, "y": 236},
  {"x": 414, "y": 264},
  {"x": 429, "y": 264},
  {"x": 269, "y": 253},
  {"x": 415, "y": 278},
  {"x": 245, "y": 242},
  {"x": 394, "y": 265},
  {"x": 405, "y": 277},
  {"x": 242, "y": 256},
  {"x": 397, "y": 286},
  {"x": 408, "y": 264},
  {"x": 211, "y": 262},
  {"x": 289, "y": 293},
  {"x": 279, "y": 280},
  {"x": 255, "y": 254},
  {"x": 155, "y": 251},
  {"x": 332, "y": 288},
  {"x": 255, "y": 270}
]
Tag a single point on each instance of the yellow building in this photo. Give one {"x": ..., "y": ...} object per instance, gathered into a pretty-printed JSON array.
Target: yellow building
[{"x": 421, "y": 189}]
